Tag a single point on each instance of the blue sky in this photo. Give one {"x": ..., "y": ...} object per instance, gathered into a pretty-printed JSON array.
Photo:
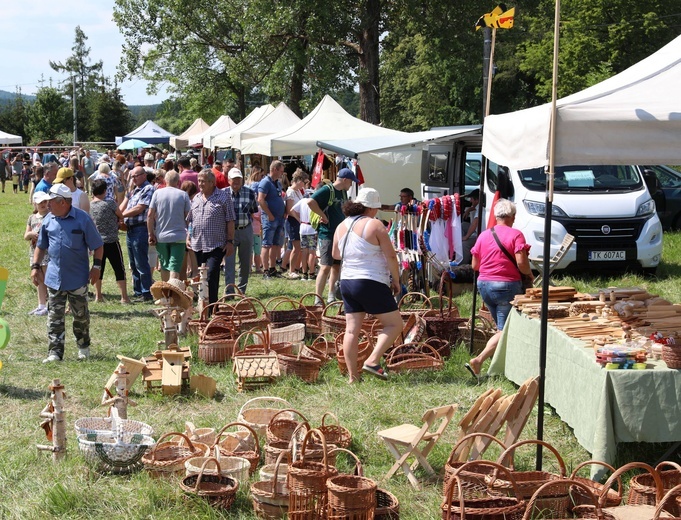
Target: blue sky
[{"x": 36, "y": 31}]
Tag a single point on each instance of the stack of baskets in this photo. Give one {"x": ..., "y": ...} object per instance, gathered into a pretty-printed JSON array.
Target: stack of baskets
[{"x": 270, "y": 494}]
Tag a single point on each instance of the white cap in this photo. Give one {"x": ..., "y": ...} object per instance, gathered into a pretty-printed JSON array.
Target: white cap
[
  {"x": 369, "y": 198},
  {"x": 40, "y": 196},
  {"x": 234, "y": 172},
  {"x": 60, "y": 190},
  {"x": 148, "y": 157}
]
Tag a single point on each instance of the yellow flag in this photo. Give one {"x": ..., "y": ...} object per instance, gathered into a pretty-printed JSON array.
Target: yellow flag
[
  {"x": 499, "y": 18},
  {"x": 505, "y": 20}
]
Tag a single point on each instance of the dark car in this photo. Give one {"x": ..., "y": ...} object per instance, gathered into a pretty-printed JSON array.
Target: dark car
[{"x": 670, "y": 182}]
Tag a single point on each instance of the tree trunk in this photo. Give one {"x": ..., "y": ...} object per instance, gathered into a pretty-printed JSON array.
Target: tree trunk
[
  {"x": 297, "y": 78},
  {"x": 241, "y": 100},
  {"x": 369, "y": 95}
]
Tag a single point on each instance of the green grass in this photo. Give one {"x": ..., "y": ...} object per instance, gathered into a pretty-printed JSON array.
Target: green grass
[{"x": 31, "y": 486}]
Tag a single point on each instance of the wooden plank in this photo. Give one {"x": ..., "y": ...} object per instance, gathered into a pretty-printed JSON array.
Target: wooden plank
[
  {"x": 480, "y": 445},
  {"x": 171, "y": 376},
  {"x": 474, "y": 409},
  {"x": 203, "y": 385},
  {"x": 516, "y": 423}
]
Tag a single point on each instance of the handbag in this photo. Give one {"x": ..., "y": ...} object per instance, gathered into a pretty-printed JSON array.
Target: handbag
[{"x": 524, "y": 278}]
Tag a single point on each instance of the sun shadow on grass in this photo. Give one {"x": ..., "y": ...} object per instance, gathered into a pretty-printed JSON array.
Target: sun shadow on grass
[{"x": 21, "y": 393}]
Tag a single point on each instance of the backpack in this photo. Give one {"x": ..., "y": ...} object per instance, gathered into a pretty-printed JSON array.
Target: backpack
[{"x": 316, "y": 220}]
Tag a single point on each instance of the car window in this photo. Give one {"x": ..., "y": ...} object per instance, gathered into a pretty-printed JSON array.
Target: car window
[{"x": 668, "y": 177}]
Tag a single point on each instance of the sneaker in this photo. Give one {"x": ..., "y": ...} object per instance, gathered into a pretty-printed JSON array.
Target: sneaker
[
  {"x": 303, "y": 277},
  {"x": 40, "y": 311},
  {"x": 35, "y": 310},
  {"x": 375, "y": 370},
  {"x": 143, "y": 298},
  {"x": 293, "y": 276},
  {"x": 83, "y": 353},
  {"x": 51, "y": 358}
]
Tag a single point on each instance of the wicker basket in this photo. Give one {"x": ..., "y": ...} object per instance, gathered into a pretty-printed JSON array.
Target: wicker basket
[
  {"x": 292, "y": 333},
  {"x": 475, "y": 501},
  {"x": 282, "y": 427},
  {"x": 459, "y": 454},
  {"x": 112, "y": 453},
  {"x": 234, "y": 467},
  {"x": 414, "y": 356},
  {"x": 351, "y": 496},
  {"x": 221, "y": 329},
  {"x": 444, "y": 324},
  {"x": 527, "y": 482},
  {"x": 482, "y": 333},
  {"x": 259, "y": 322},
  {"x": 414, "y": 303},
  {"x": 286, "y": 311},
  {"x": 218, "y": 490},
  {"x": 671, "y": 355},
  {"x": 236, "y": 305},
  {"x": 642, "y": 487},
  {"x": 168, "y": 458},
  {"x": 319, "y": 349},
  {"x": 668, "y": 503},
  {"x": 308, "y": 493},
  {"x": 271, "y": 496},
  {"x": 313, "y": 318},
  {"x": 215, "y": 347},
  {"x": 333, "y": 318},
  {"x": 304, "y": 367},
  {"x": 204, "y": 435},
  {"x": 335, "y": 433},
  {"x": 258, "y": 417},
  {"x": 364, "y": 349},
  {"x": 252, "y": 456},
  {"x": 612, "y": 497},
  {"x": 535, "y": 506},
  {"x": 104, "y": 425},
  {"x": 387, "y": 506}
]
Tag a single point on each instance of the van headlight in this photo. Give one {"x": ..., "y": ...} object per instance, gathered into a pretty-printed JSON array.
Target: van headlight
[
  {"x": 647, "y": 208},
  {"x": 539, "y": 209}
]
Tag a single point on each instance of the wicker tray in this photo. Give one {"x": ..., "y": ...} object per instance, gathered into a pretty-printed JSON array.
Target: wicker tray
[{"x": 218, "y": 490}]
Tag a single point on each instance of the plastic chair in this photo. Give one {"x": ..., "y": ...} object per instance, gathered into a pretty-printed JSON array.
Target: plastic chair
[
  {"x": 538, "y": 263},
  {"x": 407, "y": 440}
]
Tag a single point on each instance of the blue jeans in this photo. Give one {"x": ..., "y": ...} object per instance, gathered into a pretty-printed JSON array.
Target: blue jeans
[
  {"x": 498, "y": 296},
  {"x": 138, "y": 253}
]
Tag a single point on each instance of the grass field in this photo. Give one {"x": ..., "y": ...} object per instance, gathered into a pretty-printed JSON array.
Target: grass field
[{"x": 32, "y": 487}]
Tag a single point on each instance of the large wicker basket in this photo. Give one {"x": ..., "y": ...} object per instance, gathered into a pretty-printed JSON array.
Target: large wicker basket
[
  {"x": 215, "y": 346},
  {"x": 351, "y": 496},
  {"x": 168, "y": 458},
  {"x": 642, "y": 487},
  {"x": 218, "y": 490},
  {"x": 286, "y": 311},
  {"x": 611, "y": 497},
  {"x": 235, "y": 467},
  {"x": 271, "y": 496},
  {"x": 536, "y": 506},
  {"x": 282, "y": 427},
  {"x": 251, "y": 455},
  {"x": 299, "y": 365},
  {"x": 255, "y": 414}
]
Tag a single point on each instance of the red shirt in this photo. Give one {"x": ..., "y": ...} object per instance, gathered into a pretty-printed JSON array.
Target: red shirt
[{"x": 220, "y": 180}]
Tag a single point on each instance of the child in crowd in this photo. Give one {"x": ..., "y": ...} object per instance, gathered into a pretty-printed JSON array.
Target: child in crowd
[
  {"x": 308, "y": 239},
  {"x": 40, "y": 199}
]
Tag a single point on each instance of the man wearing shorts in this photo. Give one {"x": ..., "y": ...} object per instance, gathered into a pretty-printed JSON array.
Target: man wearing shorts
[
  {"x": 331, "y": 217},
  {"x": 166, "y": 223},
  {"x": 273, "y": 209}
]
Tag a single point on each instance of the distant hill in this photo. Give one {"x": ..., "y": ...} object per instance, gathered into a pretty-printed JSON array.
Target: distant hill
[{"x": 6, "y": 97}]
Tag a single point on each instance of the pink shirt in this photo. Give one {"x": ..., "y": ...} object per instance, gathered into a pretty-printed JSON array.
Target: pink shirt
[
  {"x": 189, "y": 175},
  {"x": 494, "y": 264}
]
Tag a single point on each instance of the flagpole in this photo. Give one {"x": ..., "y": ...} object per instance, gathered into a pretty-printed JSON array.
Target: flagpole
[
  {"x": 543, "y": 335},
  {"x": 489, "y": 72}
]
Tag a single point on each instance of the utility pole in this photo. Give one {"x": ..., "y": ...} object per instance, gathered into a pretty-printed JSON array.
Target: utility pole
[
  {"x": 486, "y": 76},
  {"x": 75, "y": 117}
]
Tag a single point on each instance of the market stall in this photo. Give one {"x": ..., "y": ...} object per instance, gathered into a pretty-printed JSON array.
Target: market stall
[{"x": 604, "y": 407}]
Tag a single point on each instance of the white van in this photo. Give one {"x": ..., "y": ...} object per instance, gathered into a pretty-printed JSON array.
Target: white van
[{"x": 608, "y": 209}]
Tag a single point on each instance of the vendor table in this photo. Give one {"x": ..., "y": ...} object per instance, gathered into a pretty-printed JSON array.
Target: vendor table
[{"x": 603, "y": 407}]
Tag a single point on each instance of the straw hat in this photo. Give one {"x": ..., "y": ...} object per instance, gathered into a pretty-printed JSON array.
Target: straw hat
[{"x": 174, "y": 289}]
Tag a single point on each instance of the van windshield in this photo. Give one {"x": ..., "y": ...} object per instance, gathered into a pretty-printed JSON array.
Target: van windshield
[{"x": 580, "y": 178}]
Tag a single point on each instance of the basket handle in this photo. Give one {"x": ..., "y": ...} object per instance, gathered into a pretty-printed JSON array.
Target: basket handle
[
  {"x": 338, "y": 304},
  {"x": 237, "y": 292},
  {"x": 338, "y": 342},
  {"x": 511, "y": 451},
  {"x": 204, "y": 312},
  {"x": 280, "y": 457},
  {"x": 675, "y": 491},
  {"x": 262, "y": 399},
  {"x": 255, "y": 333},
  {"x": 605, "y": 465},
  {"x": 567, "y": 483},
  {"x": 319, "y": 434},
  {"x": 282, "y": 299},
  {"x": 330, "y": 414},
  {"x": 317, "y": 298},
  {"x": 449, "y": 492},
  {"x": 304, "y": 419},
  {"x": 423, "y": 297},
  {"x": 203, "y": 467},
  {"x": 218, "y": 320},
  {"x": 171, "y": 434},
  {"x": 236, "y": 423},
  {"x": 668, "y": 463},
  {"x": 453, "y": 456},
  {"x": 252, "y": 301},
  {"x": 359, "y": 469},
  {"x": 659, "y": 486}
]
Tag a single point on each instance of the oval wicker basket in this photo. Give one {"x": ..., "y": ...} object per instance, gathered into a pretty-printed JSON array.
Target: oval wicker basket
[
  {"x": 168, "y": 458},
  {"x": 258, "y": 417},
  {"x": 335, "y": 433},
  {"x": 364, "y": 349},
  {"x": 115, "y": 453},
  {"x": 282, "y": 427},
  {"x": 642, "y": 487},
  {"x": 253, "y": 456},
  {"x": 215, "y": 346},
  {"x": 387, "y": 506},
  {"x": 611, "y": 497},
  {"x": 104, "y": 425},
  {"x": 203, "y": 435},
  {"x": 302, "y": 366},
  {"x": 218, "y": 490},
  {"x": 235, "y": 467}
]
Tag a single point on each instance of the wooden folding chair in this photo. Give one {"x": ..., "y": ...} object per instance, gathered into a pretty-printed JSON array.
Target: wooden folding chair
[
  {"x": 403, "y": 441},
  {"x": 538, "y": 263}
]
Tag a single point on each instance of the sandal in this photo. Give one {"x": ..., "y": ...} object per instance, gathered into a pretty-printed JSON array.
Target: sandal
[
  {"x": 472, "y": 372},
  {"x": 375, "y": 370}
]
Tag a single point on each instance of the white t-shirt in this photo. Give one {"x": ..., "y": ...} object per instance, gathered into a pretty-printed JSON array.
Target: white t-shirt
[
  {"x": 294, "y": 195},
  {"x": 301, "y": 207}
]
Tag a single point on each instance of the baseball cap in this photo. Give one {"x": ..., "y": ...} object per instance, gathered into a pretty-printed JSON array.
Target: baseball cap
[
  {"x": 59, "y": 190},
  {"x": 346, "y": 173},
  {"x": 62, "y": 175},
  {"x": 234, "y": 172},
  {"x": 368, "y": 197},
  {"x": 148, "y": 157},
  {"x": 40, "y": 196}
]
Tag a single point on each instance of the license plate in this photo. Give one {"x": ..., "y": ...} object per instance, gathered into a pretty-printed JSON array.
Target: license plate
[{"x": 605, "y": 256}]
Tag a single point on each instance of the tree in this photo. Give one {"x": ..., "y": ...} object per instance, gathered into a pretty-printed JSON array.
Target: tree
[
  {"x": 48, "y": 115},
  {"x": 14, "y": 115},
  {"x": 109, "y": 116}
]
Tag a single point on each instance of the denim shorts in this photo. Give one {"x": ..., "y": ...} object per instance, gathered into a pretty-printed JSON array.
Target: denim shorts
[
  {"x": 498, "y": 296},
  {"x": 272, "y": 232}
]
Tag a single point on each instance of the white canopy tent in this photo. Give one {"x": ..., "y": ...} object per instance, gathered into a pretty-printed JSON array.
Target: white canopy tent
[
  {"x": 631, "y": 118},
  {"x": 6, "y": 138},
  {"x": 224, "y": 139},
  {"x": 223, "y": 124},
  {"x": 197, "y": 128},
  {"x": 327, "y": 121},
  {"x": 276, "y": 121}
]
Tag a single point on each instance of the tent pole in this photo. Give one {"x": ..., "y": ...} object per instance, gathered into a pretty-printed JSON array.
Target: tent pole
[{"x": 547, "y": 239}]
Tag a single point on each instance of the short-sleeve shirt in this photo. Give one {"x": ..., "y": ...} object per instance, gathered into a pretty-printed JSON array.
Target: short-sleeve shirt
[
  {"x": 171, "y": 206},
  {"x": 189, "y": 175},
  {"x": 495, "y": 266},
  {"x": 140, "y": 195},
  {"x": 67, "y": 240},
  {"x": 272, "y": 190},
  {"x": 245, "y": 205},
  {"x": 303, "y": 209},
  {"x": 103, "y": 213},
  {"x": 209, "y": 217},
  {"x": 35, "y": 220},
  {"x": 43, "y": 185},
  {"x": 88, "y": 165},
  {"x": 112, "y": 184},
  {"x": 333, "y": 212}
]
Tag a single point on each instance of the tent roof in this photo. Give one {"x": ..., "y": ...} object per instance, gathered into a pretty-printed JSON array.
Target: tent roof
[
  {"x": 630, "y": 118},
  {"x": 327, "y": 121},
  {"x": 223, "y": 124},
  {"x": 224, "y": 140},
  {"x": 278, "y": 120},
  {"x": 359, "y": 145},
  {"x": 195, "y": 129},
  {"x": 6, "y": 138},
  {"x": 149, "y": 132}
]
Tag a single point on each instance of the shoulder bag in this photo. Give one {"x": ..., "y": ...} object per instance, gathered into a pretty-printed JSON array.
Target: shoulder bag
[{"x": 524, "y": 278}]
